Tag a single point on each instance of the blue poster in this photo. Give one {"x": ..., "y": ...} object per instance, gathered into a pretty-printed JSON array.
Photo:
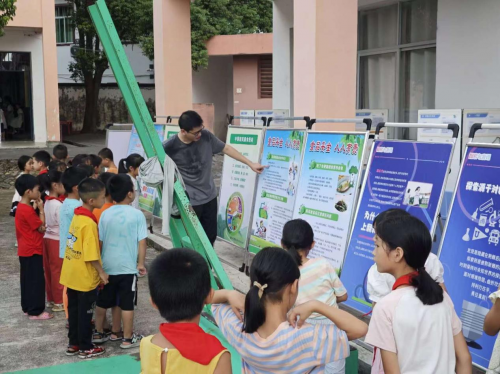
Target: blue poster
[
  {"x": 135, "y": 145},
  {"x": 405, "y": 175},
  {"x": 470, "y": 250}
]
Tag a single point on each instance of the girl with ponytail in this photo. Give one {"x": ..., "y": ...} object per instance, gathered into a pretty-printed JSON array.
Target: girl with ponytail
[
  {"x": 273, "y": 337},
  {"x": 318, "y": 278},
  {"x": 415, "y": 327},
  {"x": 130, "y": 166}
]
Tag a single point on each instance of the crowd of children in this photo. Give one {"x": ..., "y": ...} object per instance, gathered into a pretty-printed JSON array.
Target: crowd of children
[{"x": 82, "y": 242}]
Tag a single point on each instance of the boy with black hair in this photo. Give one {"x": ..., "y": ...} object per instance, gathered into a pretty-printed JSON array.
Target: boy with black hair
[
  {"x": 60, "y": 153},
  {"x": 25, "y": 164},
  {"x": 179, "y": 284},
  {"x": 57, "y": 165},
  {"x": 82, "y": 270},
  {"x": 78, "y": 159},
  {"x": 89, "y": 170},
  {"x": 104, "y": 178},
  {"x": 30, "y": 228},
  {"x": 106, "y": 155},
  {"x": 123, "y": 233},
  {"x": 94, "y": 161},
  {"x": 41, "y": 161}
]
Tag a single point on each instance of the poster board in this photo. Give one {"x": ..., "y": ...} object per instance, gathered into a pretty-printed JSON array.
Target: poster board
[
  {"x": 472, "y": 116},
  {"x": 116, "y": 137},
  {"x": 236, "y": 197},
  {"x": 170, "y": 130},
  {"x": 401, "y": 174},
  {"x": 326, "y": 196},
  {"x": 276, "y": 186},
  {"x": 276, "y": 114},
  {"x": 377, "y": 116},
  {"x": 247, "y": 122},
  {"x": 470, "y": 247}
]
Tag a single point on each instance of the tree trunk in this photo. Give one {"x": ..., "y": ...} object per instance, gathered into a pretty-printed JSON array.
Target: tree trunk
[{"x": 92, "y": 88}]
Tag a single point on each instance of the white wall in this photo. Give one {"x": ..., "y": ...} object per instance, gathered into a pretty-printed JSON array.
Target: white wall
[
  {"x": 139, "y": 63},
  {"x": 215, "y": 86},
  {"x": 29, "y": 41},
  {"x": 468, "y": 56},
  {"x": 282, "y": 23}
]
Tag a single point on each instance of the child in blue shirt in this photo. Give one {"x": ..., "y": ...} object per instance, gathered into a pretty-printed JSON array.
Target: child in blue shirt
[{"x": 122, "y": 233}]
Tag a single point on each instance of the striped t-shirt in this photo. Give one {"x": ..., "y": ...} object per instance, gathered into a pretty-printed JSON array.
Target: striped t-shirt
[
  {"x": 319, "y": 281},
  {"x": 287, "y": 350}
]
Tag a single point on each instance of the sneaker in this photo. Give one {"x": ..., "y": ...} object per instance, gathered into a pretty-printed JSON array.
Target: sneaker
[
  {"x": 49, "y": 304},
  {"x": 134, "y": 341},
  {"x": 58, "y": 308},
  {"x": 72, "y": 350},
  {"x": 93, "y": 352},
  {"x": 99, "y": 337}
]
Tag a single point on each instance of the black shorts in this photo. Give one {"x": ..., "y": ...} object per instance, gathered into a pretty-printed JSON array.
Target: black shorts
[{"x": 121, "y": 291}]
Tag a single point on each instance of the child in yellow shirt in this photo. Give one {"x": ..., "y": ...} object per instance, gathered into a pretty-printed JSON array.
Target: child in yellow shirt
[{"x": 82, "y": 270}]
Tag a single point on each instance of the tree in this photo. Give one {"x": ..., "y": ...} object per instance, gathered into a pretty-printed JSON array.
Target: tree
[
  {"x": 90, "y": 62},
  {"x": 7, "y": 13},
  {"x": 218, "y": 17}
]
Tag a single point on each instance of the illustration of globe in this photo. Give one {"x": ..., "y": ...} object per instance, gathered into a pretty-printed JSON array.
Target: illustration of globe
[{"x": 234, "y": 212}]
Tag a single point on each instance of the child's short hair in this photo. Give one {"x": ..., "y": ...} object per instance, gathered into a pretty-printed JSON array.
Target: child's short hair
[
  {"x": 119, "y": 186},
  {"x": 42, "y": 156},
  {"x": 22, "y": 161},
  {"x": 93, "y": 160},
  {"x": 90, "y": 189},
  {"x": 57, "y": 165},
  {"x": 25, "y": 182},
  {"x": 179, "y": 283},
  {"x": 106, "y": 153},
  {"x": 78, "y": 159},
  {"x": 72, "y": 177},
  {"x": 60, "y": 152},
  {"x": 89, "y": 169},
  {"x": 104, "y": 178}
]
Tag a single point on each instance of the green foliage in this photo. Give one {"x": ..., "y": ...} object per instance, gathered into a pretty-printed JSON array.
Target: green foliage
[
  {"x": 218, "y": 17},
  {"x": 353, "y": 170},
  {"x": 7, "y": 13}
]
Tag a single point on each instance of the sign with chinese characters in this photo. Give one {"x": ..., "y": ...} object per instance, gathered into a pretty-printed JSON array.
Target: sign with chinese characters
[
  {"x": 236, "y": 197},
  {"x": 276, "y": 186},
  {"x": 327, "y": 191},
  {"x": 470, "y": 250},
  {"x": 405, "y": 175},
  {"x": 246, "y": 121},
  {"x": 472, "y": 116}
]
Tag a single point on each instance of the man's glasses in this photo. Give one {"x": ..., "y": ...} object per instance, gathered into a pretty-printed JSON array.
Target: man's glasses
[{"x": 197, "y": 132}]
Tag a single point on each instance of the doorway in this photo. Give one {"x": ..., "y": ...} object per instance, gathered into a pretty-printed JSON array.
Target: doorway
[{"x": 16, "y": 102}]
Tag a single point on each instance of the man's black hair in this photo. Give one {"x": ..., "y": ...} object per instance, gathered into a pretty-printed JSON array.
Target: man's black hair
[
  {"x": 90, "y": 188},
  {"x": 22, "y": 161},
  {"x": 190, "y": 120},
  {"x": 89, "y": 169},
  {"x": 72, "y": 177},
  {"x": 60, "y": 152},
  {"x": 104, "y": 178},
  {"x": 78, "y": 159},
  {"x": 119, "y": 186},
  {"x": 179, "y": 283},
  {"x": 25, "y": 182},
  {"x": 106, "y": 153},
  {"x": 42, "y": 156}
]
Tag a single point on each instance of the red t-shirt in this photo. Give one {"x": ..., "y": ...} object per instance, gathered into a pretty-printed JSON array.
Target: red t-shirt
[{"x": 29, "y": 240}]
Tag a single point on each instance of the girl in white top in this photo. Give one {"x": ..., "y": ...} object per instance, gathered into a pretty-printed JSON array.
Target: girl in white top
[
  {"x": 415, "y": 327},
  {"x": 130, "y": 166}
]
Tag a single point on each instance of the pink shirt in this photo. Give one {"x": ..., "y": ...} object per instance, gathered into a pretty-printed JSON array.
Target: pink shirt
[{"x": 52, "y": 208}]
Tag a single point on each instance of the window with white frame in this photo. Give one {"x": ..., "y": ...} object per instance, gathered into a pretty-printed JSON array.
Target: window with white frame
[
  {"x": 64, "y": 28},
  {"x": 397, "y": 59}
]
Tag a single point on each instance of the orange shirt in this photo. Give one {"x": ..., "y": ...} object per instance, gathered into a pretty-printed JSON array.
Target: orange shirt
[{"x": 98, "y": 212}]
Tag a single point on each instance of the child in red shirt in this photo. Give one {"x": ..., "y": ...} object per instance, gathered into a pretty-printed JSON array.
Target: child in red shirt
[{"x": 30, "y": 228}]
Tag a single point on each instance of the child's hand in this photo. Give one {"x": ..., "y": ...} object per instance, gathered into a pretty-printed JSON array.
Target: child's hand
[
  {"x": 39, "y": 204},
  {"x": 104, "y": 277},
  {"x": 302, "y": 311},
  {"x": 237, "y": 302},
  {"x": 142, "y": 270},
  {"x": 42, "y": 229}
]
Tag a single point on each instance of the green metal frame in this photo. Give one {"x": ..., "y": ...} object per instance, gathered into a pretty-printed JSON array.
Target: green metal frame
[{"x": 185, "y": 232}]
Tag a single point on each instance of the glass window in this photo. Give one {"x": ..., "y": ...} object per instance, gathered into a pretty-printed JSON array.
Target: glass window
[
  {"x": 64, "y": 28},
  {"x": 378, "y": 28},
  {"x": 418, "y": 21}
]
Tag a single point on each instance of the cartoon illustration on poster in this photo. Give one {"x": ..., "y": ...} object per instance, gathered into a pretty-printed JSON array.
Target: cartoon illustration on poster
[
  {"x": 327, "y": 190},
  {"x": 404, "y": 175},
  {"x": 276, "y": 186},
  {"x": 238, "y": 186},
  {"x": 470, "y": 250}
]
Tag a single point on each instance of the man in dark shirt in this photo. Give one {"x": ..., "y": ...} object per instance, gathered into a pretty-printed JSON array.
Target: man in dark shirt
[{"x": 192, "y": 150}]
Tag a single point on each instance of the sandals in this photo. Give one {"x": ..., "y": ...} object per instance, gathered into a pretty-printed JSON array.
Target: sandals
[
  {"x": 134, "y": 341},
  {"x": 99, "y": 337},
  {"x": 72, "y": 350},
  {"x": 119, "y": 336},
  {"x": 43, "y": 316}
]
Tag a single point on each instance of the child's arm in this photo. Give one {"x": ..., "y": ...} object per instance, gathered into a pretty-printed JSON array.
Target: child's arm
[
  {"x": 342, "y": 298},
  {"x": 353, "y": 327},
  {"x": 462, "y": 354},
  {"x": 41, "y": 215},
  {"x": 233, "y": 298},
  {"x": 390, "y": 362},
  {"x": 142, "y": 257},
  {"x": 492, "y": 321},
  {"x": 97, "y": 265}
]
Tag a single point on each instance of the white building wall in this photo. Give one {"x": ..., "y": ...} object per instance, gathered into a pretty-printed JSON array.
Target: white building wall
[
  {"x": 31, "y": 41},
  {"x": 282, "y": 54}
]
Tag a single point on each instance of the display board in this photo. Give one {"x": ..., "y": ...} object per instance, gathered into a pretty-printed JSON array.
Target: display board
[
  {"x": 472, "y": 116},
  {"x": 170, "y": 130},
  {"x": 116, "y": 137},
  {"x": 247, "y": 122},
  {"x": 377, "y": 116},
  {"x": 276, "y": 186},
  {"x": 326, "y": 196},
  {"x": 276, "y": 114},
  {"x": 236, "y": 198},
  {"x": 470, "y": 250},
  {"x": 401, "y": 174}
]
